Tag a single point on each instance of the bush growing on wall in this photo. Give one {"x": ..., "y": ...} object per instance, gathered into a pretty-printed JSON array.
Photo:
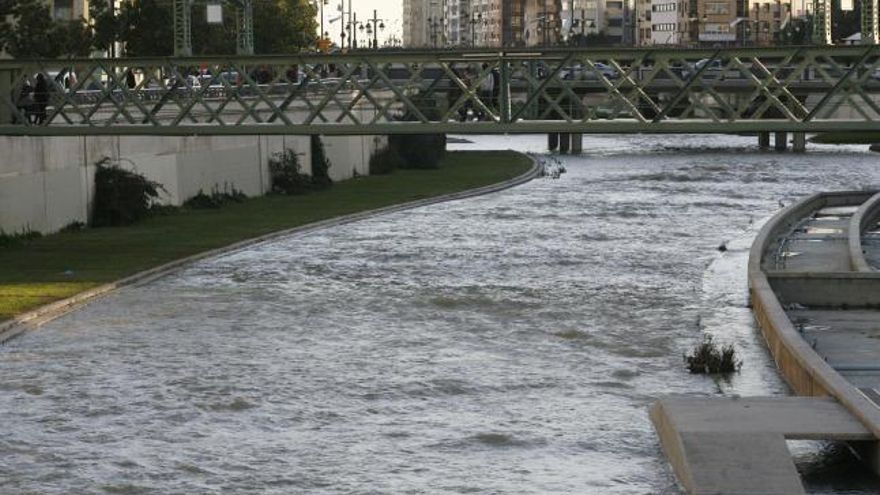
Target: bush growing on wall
[
  {"x": 122, "y": 197},
  {"x": 320, "y": 164},
  {"x": 286, "y": 175}
]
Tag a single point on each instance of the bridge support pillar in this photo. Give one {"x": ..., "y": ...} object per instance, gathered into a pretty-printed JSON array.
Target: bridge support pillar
[
  {"x": 799, "y": 143},
  {"x": 764, "y": 140},
  {"x": 6, "y": 91},
  {"x": 869, "y": 453},
  {"x": 577, "y": 143},
  {"x": 552, "y": 141},
  {"x": 564, "y": 142},
  {"x": 781, "y": 141}
]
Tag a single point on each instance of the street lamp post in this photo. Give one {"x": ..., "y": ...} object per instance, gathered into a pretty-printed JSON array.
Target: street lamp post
[{"x": 373, "y": 26}]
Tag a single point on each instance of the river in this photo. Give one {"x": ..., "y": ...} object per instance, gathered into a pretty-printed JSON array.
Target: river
[{"x": 506, "y": 344}]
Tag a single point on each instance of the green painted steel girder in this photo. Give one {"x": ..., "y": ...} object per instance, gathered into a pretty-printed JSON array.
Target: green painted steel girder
[{"x": 810, "y": 89}]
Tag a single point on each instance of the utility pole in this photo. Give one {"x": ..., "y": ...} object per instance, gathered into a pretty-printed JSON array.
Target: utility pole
[
  {"x": 351, "y": 34},
  {"x": 354, "y": 31}
]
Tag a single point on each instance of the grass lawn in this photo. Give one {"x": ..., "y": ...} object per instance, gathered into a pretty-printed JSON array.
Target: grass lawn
[
  {"x": 56, "y": 266},
  {"x": 853, "y": 137}
]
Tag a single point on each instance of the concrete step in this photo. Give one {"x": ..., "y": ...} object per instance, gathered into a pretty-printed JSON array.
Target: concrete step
[{"x": 737, "y": 445}]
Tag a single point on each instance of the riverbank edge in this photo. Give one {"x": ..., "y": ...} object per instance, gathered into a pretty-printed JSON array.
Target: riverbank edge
[{"x": 34, "y": 318}]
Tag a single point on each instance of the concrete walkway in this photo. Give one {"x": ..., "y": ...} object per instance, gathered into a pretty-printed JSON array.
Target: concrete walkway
[{"x": 737, "y": 445}]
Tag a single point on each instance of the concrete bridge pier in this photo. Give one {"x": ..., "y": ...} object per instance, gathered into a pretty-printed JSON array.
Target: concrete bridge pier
[
  {"x": 564, "y": 142},
  {"x": 6, "y": 86},
  {"x": 552, "y": 141},
  {"x": 799, "y": 143},
  {"x": 781, "y": 141},
  {"x": 764, "y": 140},
  {"x": 577, "y": 143}
]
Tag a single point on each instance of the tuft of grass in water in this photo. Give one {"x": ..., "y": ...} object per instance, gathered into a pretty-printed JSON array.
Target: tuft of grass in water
[
  {"x": 60, "y": 265},
  {"x": 709, "y": 357}
]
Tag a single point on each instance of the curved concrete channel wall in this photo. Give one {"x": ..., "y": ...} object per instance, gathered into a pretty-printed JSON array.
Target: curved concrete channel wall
[
  {"x": 867, "y": 214},
  {"x": 43, "y": 314},
  {"x": 804, "y": 370}
]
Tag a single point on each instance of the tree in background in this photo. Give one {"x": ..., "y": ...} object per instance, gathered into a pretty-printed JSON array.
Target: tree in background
[
  {"x": 146, "y": 27},
  {"x": 28, "y": 31}
]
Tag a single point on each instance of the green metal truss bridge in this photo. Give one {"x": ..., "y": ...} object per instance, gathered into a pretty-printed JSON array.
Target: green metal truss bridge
[{"x": 796, "y": 89}]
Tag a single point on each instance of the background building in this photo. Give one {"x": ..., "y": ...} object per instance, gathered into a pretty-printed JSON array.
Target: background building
[{"x": 422, "y": 23}]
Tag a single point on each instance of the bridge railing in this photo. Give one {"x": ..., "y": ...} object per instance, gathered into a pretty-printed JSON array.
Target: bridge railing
[{"x": 619, "y": 90}]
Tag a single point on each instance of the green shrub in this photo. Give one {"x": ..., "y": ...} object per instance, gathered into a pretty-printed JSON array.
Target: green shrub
[
  {"x": 18, "y": 238},
  {"x": 74, "y": 226},
  {"x": 216, "y": 199},
  {"x": 285, "y": 173},
  {"x": 708, "y": 357},
  {"x": 385, "y": 161},
  {"x": 122, "y": 197},
  {"x": 320, "y": 164}
]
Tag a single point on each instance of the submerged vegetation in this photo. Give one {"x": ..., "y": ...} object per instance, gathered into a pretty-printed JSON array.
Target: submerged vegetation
[{"x": 709, "y": 357}]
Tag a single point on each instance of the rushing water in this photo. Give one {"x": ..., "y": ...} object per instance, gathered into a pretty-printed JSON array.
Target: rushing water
[{"x": 505, "y": 344}]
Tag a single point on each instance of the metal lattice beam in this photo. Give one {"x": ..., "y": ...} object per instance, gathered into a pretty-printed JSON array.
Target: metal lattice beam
[
  {"x": 571, "y": 90},
  {"x": 182, "y": 28},
  {"x": 244, "y": 27},
  {"x": 244, "y": 17}
]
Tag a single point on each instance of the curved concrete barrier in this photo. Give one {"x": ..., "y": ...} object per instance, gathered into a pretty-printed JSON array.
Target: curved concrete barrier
[
  {"x": 43, "y": 314},
  {"x": 803, "y": 369},
  {"x": 866, "y": 215}
]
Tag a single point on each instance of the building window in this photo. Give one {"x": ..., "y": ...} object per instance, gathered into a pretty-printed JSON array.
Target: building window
[
  {"x": 717, "y": 8},
  {"x": 614, "y": 5},
  {"x": 717, "y": 28},
  {"x": 616, "y": 22},
  {"x": 664, "y": 26},
  {"x": 63, "y": 10},
  {"x": 663, "y": 7}
]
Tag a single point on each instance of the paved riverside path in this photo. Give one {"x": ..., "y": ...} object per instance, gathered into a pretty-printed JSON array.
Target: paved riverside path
[{"x": 737, "y": 445}]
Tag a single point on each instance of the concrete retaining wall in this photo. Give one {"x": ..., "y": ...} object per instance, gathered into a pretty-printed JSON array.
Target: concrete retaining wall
[
  {"x": 864, "y": 217},
  {"x": 48, "y": 182},
  {"x": 806, "y": 372},
  {"x": 827, "y": 290}
]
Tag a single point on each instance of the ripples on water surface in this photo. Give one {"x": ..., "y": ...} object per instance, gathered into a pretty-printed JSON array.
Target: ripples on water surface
[{"x": 505, "y": 344}]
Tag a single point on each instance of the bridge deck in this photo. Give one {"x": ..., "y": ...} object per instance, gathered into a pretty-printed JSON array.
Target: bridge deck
[{"x": 798, "y": 89}]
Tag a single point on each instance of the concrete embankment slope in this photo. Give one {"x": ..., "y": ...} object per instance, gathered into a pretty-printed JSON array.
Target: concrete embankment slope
[
  {"x": 34, "y": 318},
  {"x": 819, "y": 319}
]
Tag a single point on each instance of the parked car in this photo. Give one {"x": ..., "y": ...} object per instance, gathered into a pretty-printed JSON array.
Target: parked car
[
  {"x": 716, "y": 69},
  {"x": 580, "y": 72}
]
